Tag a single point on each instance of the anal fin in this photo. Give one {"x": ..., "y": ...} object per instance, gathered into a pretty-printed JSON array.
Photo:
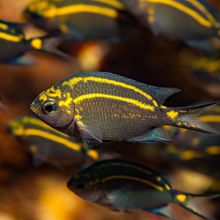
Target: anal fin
[{"x": 157, "y": 135}]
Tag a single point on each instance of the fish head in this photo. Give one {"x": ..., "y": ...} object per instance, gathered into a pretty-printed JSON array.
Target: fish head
[
  {"x": 86, "y": 185},
  {"x": 55, "y": 107}
]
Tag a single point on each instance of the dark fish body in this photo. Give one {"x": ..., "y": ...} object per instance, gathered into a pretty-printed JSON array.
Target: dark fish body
[
  {"x": 103, "y": 106},
  {"x": 189, "y": 21},
  {"x": 82, "y": 19},
  {"x": 48, "y": 145},
  {"x": 125, "y": 185},
  {"x": 14, "y": 44}
]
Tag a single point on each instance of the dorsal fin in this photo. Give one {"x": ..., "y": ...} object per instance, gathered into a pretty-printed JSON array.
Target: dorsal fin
[{"x": 160, "y": 94}]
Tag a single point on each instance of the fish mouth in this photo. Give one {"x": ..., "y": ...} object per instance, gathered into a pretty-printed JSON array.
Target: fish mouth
[{"x": 33, "y": 108}]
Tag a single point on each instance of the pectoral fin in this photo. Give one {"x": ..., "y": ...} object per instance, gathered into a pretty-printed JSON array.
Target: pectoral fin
[
  {"x": 90, "y": 135},
  {"x": 22, "y": 61},
  {"x": 157, "y": 135},
  {"x": 165, "y": 212}
]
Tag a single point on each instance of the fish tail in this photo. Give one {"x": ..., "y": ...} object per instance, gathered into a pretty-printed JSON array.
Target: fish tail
[
  {"x": 49, "y": 44},
  {"x": 188, "y": 117},
  {"x": 185, "y": 200}
]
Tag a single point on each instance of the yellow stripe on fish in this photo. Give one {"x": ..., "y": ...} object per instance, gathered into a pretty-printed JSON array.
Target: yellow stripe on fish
[
  {"x": 203, "y": 9},
  {"x": 3, "y": 26},
  {"x": 76, "y": 80},
  {"x": 81, "y": 98},
  {"x": 52, "y": 137},
  {"x": 34, "y": 121},
  {"x": 160, "y": 188},
  {"x": 10, "y": 37},
  {"x": 113, "y": 3},
  {"x": 196, "y": 16},
  {"x": 80, "y": 8}
]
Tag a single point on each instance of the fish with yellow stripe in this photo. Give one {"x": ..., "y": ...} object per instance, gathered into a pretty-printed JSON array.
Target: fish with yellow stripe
[
  {"x": 14, "y": 44},
  {"x": 81, "y": 19},
  {"x": 49, "y": 145},
  {"x": 191, "y": 21},
  {"x": 125, "y": 185},
  {"x": 101, "y": 106}
]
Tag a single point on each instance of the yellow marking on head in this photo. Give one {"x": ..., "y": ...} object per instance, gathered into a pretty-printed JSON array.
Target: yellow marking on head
[
  {"x": 36, "y": 43},
  {"x": 50, "y": 93},
  {"x": 172, "y": 114},
  {"x": 80, "y": 8},
  {"x": 3, "y": 26},
  {"x": 52, "y": 137},
  {"x": 203, "y": 9},
  {"x": 210, "y": 118},
  {"x": 9, "y": 37},
  {"x": 196, "y": 16},
  {"x": 67, "y": 102},
  {"x": 94, "y": 154},
  {"x": 158, "y": 187},
  {"x": 214, "y": 150},
  {"x": 118, "y": 98},
  {"x": 181, "y": 198},
  {"x": 113, "y": 3},
  {"x": 75, "y": 80}
]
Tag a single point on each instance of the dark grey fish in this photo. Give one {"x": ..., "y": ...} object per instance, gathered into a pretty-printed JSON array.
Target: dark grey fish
[
  {"x": 14, "y": 44},
  {"x": 97, "y": 106},
  {"x": 125, "y": 185}
]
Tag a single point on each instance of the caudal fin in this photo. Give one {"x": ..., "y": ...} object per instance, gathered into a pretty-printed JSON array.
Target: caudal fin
[
  {"x": 185, "y": 200},
  {"x": 188, "y": 117},
  {"x": 49, "y": 44}
]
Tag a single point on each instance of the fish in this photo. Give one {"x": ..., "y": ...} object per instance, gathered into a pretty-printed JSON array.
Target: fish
[
  {"x": 82, "y": 19},
  {"x": 101, "y": 106},
  {"x": 124, "y": 185},
  {"x": 14, "y": 44},
  {"x": 47, "y": 145},
  {"x": 194, "y": 22}
]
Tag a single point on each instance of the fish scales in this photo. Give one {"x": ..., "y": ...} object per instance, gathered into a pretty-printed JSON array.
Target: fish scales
[{"x": 115, "y": 112}]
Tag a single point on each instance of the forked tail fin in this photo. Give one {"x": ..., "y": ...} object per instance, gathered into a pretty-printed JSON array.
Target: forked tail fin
[
  {"x": 188, "y": 117},
  {"x": 185, "y": 200}
]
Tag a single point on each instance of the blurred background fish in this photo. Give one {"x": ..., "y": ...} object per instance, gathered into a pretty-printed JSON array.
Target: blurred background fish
[
  {"x": 49, "y": 145},
  {"x": 124, "y": 185},
  {"x": 82, "y": 20},
  {"x": 14, "y": 44},
  {"x": 196, "y": 22}
]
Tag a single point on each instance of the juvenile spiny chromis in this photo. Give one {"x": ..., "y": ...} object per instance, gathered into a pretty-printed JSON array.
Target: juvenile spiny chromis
[
  {"x": 97, "y": 106},
  {"x": 81, "y": 19},
  {"x": 49, "y": 145},
  {"x": 193, "y": 21},
  {"x": 14, "y": 44},
  {"x": 125, "y": 185}
]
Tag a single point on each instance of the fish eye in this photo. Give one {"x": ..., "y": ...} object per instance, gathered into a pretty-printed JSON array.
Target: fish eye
[{"x": 49, "y": 107}]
